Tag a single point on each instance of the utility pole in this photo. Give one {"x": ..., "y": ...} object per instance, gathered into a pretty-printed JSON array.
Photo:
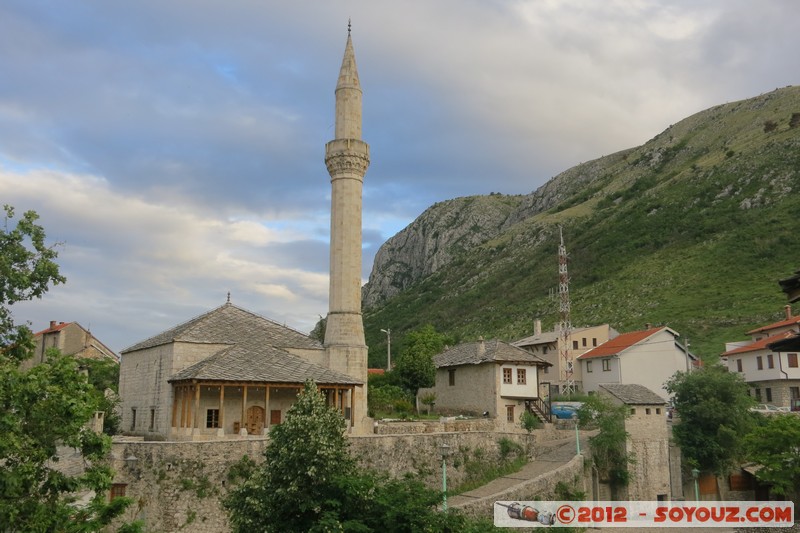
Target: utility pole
[{"x": 388, "y": 348}]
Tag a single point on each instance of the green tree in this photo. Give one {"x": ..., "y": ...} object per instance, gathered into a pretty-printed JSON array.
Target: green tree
[
  {"x": 415, "y": 366},
  {"x": 609, "y": 452},
  {"x": 776, "y": 446},
  {"x": 318, "y": 333},
  {"x": 713, "y": 407},
  {"x": 103, "y": 377},
  {"x": 45, "y": 407},
  {"x": 309, "y": 482}
]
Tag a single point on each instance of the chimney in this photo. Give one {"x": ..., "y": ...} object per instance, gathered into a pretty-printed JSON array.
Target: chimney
[
  {"x": 481, "y": 346},
  {"x": 788, "y": 309},
  {"x": 537, "y": 327},
  {"x": 52, "y": 324}
]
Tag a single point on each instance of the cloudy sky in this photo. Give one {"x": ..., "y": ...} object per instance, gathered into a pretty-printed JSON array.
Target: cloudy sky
[{"x": 175, "y": 148}]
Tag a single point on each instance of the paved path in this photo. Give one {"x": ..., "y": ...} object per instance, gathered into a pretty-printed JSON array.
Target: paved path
[{"x": 555, "y": 454}]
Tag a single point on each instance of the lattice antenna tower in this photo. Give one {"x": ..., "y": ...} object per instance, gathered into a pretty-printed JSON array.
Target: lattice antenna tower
[{"x": 565, "y": 326}]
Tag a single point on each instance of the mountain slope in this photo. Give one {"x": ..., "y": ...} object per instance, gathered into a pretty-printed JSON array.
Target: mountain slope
[{"x": 691, "y": 230}]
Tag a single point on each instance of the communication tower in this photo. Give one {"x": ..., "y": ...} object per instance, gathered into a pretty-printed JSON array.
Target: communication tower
[{"x": 565, "y": 325}]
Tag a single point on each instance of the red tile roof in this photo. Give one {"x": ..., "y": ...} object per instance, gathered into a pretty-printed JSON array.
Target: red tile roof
[
  {"x": 620, "y": 343},
  {"x": 376, "y": 371},
  {"x": 791, "y": 321},
  {"x": 759, "y": 345},
  {"x": 57, "y": 327}
]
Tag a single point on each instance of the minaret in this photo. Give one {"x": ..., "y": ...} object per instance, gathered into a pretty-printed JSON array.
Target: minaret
[{"x": 347, "y": 159}]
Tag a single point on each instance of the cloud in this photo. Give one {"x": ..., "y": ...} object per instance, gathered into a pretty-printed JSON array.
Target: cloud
[{"x": 177, "y": 148}]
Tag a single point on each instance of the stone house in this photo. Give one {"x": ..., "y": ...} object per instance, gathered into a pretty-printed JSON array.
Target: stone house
[
  {"x": 547, "y": 346},
  {"x": 647, "y": 442},
  {"x": 71, "y": 339},
  {"x": 648, "y": 357},
  {"x": 488, "y": 377},
  {"x": 226, "y": 372},
  {"x": 768, "y": 362}
]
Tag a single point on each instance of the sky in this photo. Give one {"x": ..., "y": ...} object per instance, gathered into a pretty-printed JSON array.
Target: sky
[{"x": 175, "y": 150}]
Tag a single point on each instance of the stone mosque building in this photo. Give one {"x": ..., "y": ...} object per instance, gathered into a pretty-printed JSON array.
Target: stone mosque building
[{"x": 232, "y": 372}]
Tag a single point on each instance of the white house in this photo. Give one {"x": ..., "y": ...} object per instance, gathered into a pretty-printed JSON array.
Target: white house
[
  {"x": 767, "y": 363},
  {"x": 648, "y": 357}
]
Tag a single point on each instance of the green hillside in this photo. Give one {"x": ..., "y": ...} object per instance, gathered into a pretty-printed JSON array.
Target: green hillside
[{"x": 691, "y": 230}]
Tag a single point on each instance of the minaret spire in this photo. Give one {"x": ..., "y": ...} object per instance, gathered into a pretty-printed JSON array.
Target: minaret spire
[{"x": 347, "y": 159}]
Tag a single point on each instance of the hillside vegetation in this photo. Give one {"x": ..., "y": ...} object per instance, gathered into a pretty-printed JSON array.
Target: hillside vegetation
[{"x": 691, "y": 230}]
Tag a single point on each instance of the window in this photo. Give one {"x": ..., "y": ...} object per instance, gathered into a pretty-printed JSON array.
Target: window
[
  {"x": 544, "y": 350},
  {"x": 212, "y": 418},
  {"x": 770, "y": 361},
  {"x": 738, "y": 365},
  {"x": 521, "y": 376},
  {"x": 759, "y": 363},
  {"x": 794, "y": 392},
  {"x": 647, "y": 411},
  {"x": 758, "y": 394},
  {"x": 606, "y": 365},
  {"x": 574, "y": 345},
  {"x": 509, "y": 413},
  {"x": 792, "y": 357},
  {"x": 589, "y": 367},
  {"x": 117, "y": 491},
  {"x": 768, "y": 390},
  {"x": 633, "y": 410},
  {"x": 658, "y": 410},
  {"x": 594, "y": 341},
  {"x": 452, "y": 377},
  {"x": 506, "y": 375},
  {"x": 133, "y": 418},
  {"x": 152, "y": 418},
  {"x": 583, "y": 341},
  {"x": 546, "y": 369}
]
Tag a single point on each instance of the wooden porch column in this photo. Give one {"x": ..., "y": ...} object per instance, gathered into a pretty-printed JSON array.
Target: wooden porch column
[
  {"x": 267, "y": 416},
  {"x": 184, "y": 407},
  {"x": 244, "y": 407},
  {"x": 222, "y": 407},
  {"x": 195, "y": 421},
  {"x": 352, "y": 406},
  {"x": 175, "y": 391}
]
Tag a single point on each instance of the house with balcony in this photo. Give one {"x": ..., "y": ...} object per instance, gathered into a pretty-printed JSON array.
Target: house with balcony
[
  {"x": 647, "y": 357},
  {"x": 768, "y": 361},
  {"x": 549, "y": 346},
  {"x": 491, "y": 377}
]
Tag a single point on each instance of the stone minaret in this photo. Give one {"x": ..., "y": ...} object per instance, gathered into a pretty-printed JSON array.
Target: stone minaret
[{"x": 347, "y": 159}]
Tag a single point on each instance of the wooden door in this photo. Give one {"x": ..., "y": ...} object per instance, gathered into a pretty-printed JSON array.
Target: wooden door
[
  {"x": 255, "y": 420},
  {"x": 274, "y": 417}
]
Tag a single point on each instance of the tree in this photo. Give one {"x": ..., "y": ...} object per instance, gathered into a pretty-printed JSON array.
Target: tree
[
  {"x": 309, "y": 482},
  {"x": 609, "y": 452},
  {"x": 43, "y": 408},
  {"x": 776, "y": 447},
  {"x": 318, "y": 333},
  {"x": 713, "y": 407},
  {"x": 415, "y": 366}
]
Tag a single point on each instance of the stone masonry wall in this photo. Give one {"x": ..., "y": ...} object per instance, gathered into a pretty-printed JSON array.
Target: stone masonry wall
[{"x": 181, "y": 484}]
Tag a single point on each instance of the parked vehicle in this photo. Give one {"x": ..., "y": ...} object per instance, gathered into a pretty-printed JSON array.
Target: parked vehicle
[
  {"x": 564, "y": 411},
  {"x": 766, "y": 408}
]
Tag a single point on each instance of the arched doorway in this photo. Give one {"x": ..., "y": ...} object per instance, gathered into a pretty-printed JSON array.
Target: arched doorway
[{"x": 255, "y": 420}]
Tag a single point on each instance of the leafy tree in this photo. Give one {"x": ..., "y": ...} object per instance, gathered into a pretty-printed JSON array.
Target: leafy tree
[
  {"x": 104, "y": 377},
  {"x": 318, "y": 333},
  {"x": 310, "y": 482},
  {"x": 609, "y": 452},
  {"x": 776, "y": 446},
  {"x": 713, "y": 407},
  {"x": 43, "y": 408},
  {"x": 415, "y": 367}
]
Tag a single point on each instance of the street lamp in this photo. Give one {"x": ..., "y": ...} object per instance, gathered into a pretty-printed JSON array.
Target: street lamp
[
  {"x": 695, "y": 473},
  {"x": 444, "y": 451},
  {"x": 388, "y": 348}
]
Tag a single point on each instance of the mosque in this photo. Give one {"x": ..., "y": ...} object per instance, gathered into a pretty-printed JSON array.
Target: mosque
[{"x": 230, "y": 372}]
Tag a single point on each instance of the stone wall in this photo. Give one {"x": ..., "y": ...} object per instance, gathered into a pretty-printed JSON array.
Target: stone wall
[{"x": 181, "y": 484}]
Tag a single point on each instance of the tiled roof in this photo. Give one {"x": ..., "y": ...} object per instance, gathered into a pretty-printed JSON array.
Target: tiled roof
[
  {"x": 790, "y": 343},
  {"x": 245, "y": 362},
  {"x": 475, "y": 353},
  {"x": 228, "y": 324},
  {"x": 633, "y": 394},
  {"x": 57, "y": 327},
  {"x": 791, "y": 321},
  {"x": 253, "y": 348},
  {"x": 620, "y": 343},
  {"x": 545, "y": 337},
  {"x": 762, "y": 344}
]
